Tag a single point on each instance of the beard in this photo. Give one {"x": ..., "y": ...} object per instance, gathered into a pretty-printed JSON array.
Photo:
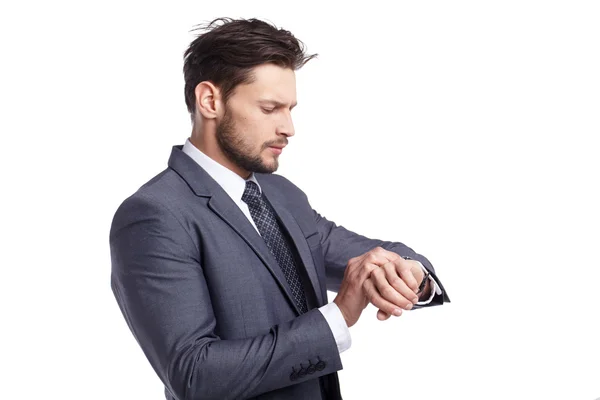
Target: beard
[{"x": 238, "y": 150}]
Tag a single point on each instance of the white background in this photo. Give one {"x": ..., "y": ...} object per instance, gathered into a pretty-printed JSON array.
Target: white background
[{"x": 465, "y": 129}]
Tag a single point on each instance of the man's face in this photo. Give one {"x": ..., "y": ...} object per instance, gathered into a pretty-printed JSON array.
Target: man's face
[{"x": 257, "y": 116}]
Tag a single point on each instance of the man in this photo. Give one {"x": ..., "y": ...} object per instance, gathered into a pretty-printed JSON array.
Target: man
[{"x": 221, "y": 267}]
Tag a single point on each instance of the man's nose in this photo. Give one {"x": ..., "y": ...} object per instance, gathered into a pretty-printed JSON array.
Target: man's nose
[{"x": 286, "y": 126}]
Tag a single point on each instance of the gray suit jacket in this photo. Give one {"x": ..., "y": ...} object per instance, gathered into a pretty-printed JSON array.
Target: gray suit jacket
[{"x": 206, "y": 300}]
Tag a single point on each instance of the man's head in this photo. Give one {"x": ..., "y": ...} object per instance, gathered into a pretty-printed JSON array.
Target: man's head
[{"x": 240, "y": 87}]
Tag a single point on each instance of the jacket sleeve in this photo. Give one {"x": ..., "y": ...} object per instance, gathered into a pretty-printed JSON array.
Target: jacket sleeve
[
  {"x": 340, "y": 245},
  {"x": 159, "y": 285}
]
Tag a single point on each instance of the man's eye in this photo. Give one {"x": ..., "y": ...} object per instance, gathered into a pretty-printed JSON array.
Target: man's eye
[{"x": 268, "y": 110}]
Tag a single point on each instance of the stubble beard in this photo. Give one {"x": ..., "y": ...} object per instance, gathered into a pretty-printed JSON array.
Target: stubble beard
[{"x": 238, "y": 151}]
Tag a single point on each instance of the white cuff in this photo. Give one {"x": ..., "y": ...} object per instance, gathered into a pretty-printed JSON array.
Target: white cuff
[
  {"x": 338, "y": 326},
  {"x": 435, "y": 288}
]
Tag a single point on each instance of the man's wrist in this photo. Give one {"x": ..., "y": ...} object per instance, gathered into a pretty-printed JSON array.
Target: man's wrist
[
  {"x": 426, "y": 292},
  {"x": 424, "y": 285},
  {"x": 341, "y": 308}
]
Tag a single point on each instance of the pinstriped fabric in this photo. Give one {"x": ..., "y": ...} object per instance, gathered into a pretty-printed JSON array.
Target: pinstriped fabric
[{"x": 266, "y": 222}]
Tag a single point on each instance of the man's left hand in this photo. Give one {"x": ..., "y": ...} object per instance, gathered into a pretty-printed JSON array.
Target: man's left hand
[{"x": 396, "y": 280}]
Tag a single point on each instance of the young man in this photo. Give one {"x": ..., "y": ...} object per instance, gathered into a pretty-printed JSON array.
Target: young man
[{"x": 221, "y": 268}]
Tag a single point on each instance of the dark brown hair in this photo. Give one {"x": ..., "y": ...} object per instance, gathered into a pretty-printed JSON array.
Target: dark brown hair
[{"x": 226, "y": 54}]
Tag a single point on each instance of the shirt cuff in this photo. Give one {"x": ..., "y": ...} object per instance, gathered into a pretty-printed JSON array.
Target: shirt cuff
[
  {"x": 435, "y": 288},
  {"x": 338, "y": 326}
]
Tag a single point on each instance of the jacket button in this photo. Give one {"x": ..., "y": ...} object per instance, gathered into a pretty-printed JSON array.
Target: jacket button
[
  {"x": 302, "y": 373},
  {"x": 321, "y": 365},
  {"x": 311, "y": 369},
  {"x": 293, "y": 376}
]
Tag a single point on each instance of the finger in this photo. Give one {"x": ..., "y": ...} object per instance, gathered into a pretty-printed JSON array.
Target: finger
[
  {"x": 365, "y": 272},
  {"x": 382, "y": 316},
  {"x": 404, "y": 269},
  {"x": 371, "y": 262},
  {"x": 375, "y": 298},
  {"x": 388, "y": 292},
  {"x": 398, "y": 284}
]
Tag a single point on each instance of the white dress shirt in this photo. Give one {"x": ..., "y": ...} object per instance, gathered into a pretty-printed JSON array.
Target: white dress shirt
[{"x": 234, "y": 185}]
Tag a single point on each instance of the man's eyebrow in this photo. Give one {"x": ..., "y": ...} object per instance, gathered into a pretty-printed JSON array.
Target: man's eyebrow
[{"x": 277, "y": 103}]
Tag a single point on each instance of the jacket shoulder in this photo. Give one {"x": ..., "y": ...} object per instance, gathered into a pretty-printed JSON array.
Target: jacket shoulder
[
  {"x": 148, "y": 199},
  {"x": 282, "y": 183}
]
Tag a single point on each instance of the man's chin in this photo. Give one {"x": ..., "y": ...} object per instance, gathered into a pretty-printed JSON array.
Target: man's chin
[{"x": 268, "y": 168}]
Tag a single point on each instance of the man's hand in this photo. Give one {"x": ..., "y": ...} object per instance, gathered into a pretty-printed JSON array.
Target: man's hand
[
  {"x": 410, "y": 271},
  {"x": 394, "y": 285},
  {"x": 381, "y": 277}
]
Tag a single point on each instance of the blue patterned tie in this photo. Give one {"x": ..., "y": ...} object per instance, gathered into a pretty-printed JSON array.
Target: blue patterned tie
[{"x": 266, "y": 222}]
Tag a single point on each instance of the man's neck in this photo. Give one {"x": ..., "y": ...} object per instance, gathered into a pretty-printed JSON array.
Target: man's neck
[{"x": 212, "y": 150}]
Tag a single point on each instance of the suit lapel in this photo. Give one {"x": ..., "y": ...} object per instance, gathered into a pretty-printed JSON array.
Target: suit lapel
[{"x": 289, "y": 223}]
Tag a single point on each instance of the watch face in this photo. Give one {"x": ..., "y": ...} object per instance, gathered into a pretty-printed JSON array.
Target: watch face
[{"x": 424, "y": 282}]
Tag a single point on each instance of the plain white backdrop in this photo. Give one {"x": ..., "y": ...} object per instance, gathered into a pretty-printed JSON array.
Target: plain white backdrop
[{"x": 467, "y": 130}]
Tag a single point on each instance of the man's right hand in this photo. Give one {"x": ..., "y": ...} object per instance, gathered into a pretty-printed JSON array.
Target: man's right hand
[{"x": 352, "y": 296}]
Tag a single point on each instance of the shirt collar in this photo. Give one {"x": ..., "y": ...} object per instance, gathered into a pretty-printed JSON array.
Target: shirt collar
[{"x": 233, "y": 184}]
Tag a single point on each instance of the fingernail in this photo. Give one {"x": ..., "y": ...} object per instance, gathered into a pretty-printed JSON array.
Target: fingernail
[
  {"x": 397, "y": 312},
  {"x": 415, "y": 300},
  {"x": 408, "y": 306}
]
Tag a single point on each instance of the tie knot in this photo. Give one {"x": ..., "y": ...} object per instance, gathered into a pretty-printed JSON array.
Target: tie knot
[{"x": 251, "y": 192}]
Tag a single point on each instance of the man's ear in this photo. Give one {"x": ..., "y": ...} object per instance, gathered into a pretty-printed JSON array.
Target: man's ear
[{"x": 208, "y": 100}]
